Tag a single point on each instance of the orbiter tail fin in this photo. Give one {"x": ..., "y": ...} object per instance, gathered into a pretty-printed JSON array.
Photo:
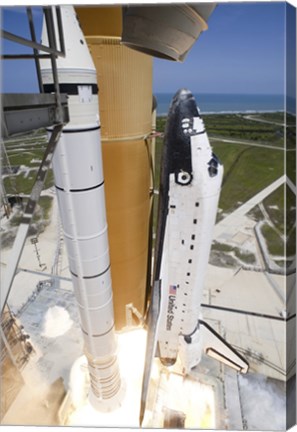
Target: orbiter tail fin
[{"x": 218, "y": 348}]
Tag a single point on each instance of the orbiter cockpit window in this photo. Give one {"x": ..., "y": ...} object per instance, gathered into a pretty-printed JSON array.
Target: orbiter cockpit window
[{"x": 213, "y": 167}]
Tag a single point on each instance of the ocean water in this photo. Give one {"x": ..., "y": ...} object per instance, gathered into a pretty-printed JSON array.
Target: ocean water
[{"x": 227, "y": 103}]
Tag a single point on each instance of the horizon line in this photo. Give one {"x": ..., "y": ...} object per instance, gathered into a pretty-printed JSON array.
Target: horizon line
[{"x": 221, "y": 93}]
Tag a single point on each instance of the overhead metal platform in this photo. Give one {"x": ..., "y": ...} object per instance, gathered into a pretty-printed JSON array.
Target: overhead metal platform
[{"x": 26, "y": 112}]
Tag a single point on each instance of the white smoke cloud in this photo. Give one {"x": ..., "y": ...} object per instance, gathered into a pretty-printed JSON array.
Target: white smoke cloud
[
  {"x": 56, "y": 322},
  {"x": 263, "y": 404}
]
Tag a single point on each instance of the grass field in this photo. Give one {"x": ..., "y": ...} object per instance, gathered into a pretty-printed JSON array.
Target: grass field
[
  {"x": 23, "y": 183},
  {"x": 245, "y": 127},
  {"x": 291, "y": 165},
  {"x": 245, "y": 256},
  {"x": 276, "y": 247},
  {"x": 247, "y": 169},
  {"x": 24, "y": 152},
  {"x": 281, "y": 210},
  {"x": 283, "y": 213},
  {"x": 22, "y": 155}
]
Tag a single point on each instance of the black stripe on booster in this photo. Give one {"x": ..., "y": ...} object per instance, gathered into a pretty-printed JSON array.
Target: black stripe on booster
[
  {"x": 91, "y": 277},
  {"x": 99, "y": 334},
  {"x": 70, "y": 89},
  {"x": 80, "y": 130},
  {"x": 81, "y": 190},
  {"x": 69, "y": 131}
]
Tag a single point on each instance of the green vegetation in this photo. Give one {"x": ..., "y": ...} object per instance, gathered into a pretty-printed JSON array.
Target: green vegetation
[
  {"x": 280, "y": 237},
  {"x": 290, "y": 120},
  {"x": 291, "y": 131},
  {"x": 245, "y": 127},
  {"x": 221, "y": 247},
  {"x": 291, "y": 243},
  {"x": 22, "y": 183},
  {"x": 256, "y": 214},
  {"x": 243, "y": 255},
  {"x": 274, "y": 242},
  {"x": 274, "y": 206},
  {"x": 291, "y": 147},
  {"x": 20, "y": 162},
  {"x": 247, "y": 171},
  {"x": 24, "y": 152},
  {"x": 19, "y": 157},
  {"x": 281, "y": 205},
  {"x": 41, "y": 219},
  {"x": 275, "y": 117},
  {"x": 291, "y": 165},
  {"x": 161, "y": 122}
]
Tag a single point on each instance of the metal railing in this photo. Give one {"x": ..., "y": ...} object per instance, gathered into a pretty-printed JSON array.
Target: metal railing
[
  {"x": 51, "y": 50},
  {"x": 53, "y": 21}
]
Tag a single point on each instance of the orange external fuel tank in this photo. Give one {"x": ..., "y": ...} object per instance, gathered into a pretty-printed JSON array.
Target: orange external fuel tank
[{"x": 125, "y": 94}]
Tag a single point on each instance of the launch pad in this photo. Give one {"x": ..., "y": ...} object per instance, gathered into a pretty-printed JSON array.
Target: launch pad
[
  {"x": 56, "y": 378},
  {"x": 48, "y": 387},
  {"x": 212, "y": 395}
]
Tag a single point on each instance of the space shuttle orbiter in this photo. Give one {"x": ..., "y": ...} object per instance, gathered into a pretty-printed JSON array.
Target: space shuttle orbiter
[{"x": 191, "y": 177}]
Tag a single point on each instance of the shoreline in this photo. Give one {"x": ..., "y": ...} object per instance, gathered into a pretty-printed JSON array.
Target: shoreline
[{"x": 235, "y": 112}]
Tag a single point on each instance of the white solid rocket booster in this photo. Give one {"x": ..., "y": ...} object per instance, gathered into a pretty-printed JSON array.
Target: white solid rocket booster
[{"x": 77, "y": 166}]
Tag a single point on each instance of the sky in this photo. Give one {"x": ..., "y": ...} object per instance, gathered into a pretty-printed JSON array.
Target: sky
[{"x": 241, "y": 52}]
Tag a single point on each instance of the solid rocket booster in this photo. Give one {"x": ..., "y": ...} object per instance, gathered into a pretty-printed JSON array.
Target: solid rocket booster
[
  {"x": 79, "y": 181},
  {"x": 190, "y": 185}
]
